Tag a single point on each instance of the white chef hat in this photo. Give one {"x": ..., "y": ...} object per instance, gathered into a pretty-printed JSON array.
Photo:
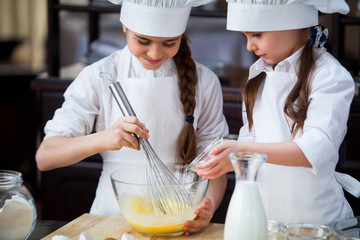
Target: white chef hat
[
  {"x": 277, "y": 15},
  {"x": 157, "y": 18}
]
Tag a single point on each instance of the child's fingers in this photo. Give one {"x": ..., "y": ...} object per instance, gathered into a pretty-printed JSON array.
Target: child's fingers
[
  {"x": 211, "y": 173},
  {"x": 210, "y": 162},
  {"x": 195, "y": 226},
  {"x": 206, "y": 204},
  {"x": 218, "y": 148},
  {"x": 204, "y": 215}
]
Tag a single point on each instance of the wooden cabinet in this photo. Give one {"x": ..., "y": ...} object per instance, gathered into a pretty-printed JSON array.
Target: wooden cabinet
[
  {"x": 17, "y": 123},
  {"x": 340, "y": 24}
]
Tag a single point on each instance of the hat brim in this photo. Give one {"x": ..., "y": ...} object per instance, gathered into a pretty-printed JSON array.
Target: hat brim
[{"x": 260, "y": 18}]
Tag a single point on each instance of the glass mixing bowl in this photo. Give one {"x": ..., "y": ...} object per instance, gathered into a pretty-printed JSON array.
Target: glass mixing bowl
[{"x": 136, "y": 200}]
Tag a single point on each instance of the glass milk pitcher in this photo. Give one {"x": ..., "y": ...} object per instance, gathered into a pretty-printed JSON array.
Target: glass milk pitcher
[{"x": 245, "y": 218}]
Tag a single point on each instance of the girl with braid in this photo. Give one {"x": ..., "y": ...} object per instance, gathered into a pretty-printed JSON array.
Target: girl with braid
[
  {"x": 295, "y": 109},
  {"x": 179, "y": 100}
]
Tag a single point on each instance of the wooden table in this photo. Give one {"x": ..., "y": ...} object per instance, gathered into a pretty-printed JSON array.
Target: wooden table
[{"x": 105, "y": 226}]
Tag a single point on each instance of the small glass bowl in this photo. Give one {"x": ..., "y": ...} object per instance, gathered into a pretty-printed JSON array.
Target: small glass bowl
[
  {"x": 348, "y": 229},
  {"x": 307, "y": 231},
  {"x": 203, "y": 156}
]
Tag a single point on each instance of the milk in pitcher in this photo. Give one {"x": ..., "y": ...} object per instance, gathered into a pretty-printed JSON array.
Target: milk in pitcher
[{"x": 245, "y": 218}]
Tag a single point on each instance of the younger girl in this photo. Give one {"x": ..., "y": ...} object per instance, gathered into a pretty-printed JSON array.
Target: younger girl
[
  {"x": 296, "y": 106},
  {"x": 179, "y": 100}
]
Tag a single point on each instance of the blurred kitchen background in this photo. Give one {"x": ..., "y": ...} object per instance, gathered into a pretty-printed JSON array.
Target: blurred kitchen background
[{"x": 45, "y": 43}]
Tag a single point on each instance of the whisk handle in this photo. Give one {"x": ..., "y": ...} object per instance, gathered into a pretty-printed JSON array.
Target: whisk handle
[
  {"x": 125, "y": 107},
  {"x": 121, "y": 99},
  {"x": 127, "y": 110}
]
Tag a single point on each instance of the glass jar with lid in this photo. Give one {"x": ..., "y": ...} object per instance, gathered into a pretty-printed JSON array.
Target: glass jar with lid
[{"x": 17, "y": 207}]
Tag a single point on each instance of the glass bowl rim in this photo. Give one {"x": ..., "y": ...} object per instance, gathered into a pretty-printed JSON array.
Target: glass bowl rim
[
  {"x": 307, "y": 226},
  {"x": 164, "y": 185}
]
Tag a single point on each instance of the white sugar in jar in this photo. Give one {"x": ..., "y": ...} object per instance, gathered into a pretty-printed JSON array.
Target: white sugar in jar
[{"x": 17, "y": 208}]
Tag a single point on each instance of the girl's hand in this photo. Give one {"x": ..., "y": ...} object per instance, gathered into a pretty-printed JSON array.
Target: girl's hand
[
  {"x": 204, "y": 215},
  {"x": 120, "y": 134},
  {"x": 219, "y": 163}
]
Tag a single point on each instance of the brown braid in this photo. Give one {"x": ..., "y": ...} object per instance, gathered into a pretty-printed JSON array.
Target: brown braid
[
  {"x": 186, "y": 70},
  {"x": 251, "y": 90},
  {"x": 297, "y": 103}
]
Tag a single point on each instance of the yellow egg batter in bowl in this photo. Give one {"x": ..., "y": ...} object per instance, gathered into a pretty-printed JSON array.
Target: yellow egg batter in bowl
[{"x": 141, "y": 208}]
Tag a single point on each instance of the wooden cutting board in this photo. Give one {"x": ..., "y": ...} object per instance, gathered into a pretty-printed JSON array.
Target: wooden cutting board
[{"x": 105, "y": 226}]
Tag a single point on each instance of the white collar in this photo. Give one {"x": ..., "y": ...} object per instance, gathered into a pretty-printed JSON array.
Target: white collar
[{"x": 287, "y": 65}]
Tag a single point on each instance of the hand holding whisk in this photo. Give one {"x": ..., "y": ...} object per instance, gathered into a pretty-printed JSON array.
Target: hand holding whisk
[{"x": 161, "y": 199}]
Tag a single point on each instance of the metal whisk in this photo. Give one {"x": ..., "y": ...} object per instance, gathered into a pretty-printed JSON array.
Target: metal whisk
[{"x": 165, "y": 199}]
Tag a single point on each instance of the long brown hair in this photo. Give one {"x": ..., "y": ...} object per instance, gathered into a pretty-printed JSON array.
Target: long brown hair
[
  {"x": 297, "y": 103},
  {"x": 186, "y": 71}
]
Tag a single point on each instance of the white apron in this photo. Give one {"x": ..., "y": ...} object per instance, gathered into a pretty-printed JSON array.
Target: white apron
[
  {"x": 155, "y": 101},
  {"x": 292, "y": 194}
]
